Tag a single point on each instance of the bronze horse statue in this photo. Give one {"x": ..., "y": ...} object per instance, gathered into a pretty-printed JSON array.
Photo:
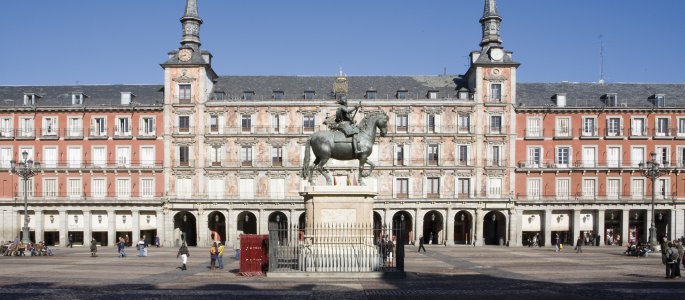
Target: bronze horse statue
[{"x": 335, "y": 145}]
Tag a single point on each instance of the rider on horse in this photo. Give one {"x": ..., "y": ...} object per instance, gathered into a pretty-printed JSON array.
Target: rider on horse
[{"x": 344, "y": 122}]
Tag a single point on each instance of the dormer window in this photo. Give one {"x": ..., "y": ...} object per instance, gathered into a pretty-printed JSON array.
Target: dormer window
[
  {"x": 371, "y": 94},
  {"x": 432, "y": 95},
  {"x": 660, "y": 100},
  {"x": 126, "y": 98},
  {"x": 402, "y": 94},
  {"x": 29, "y": 99},
  {"x": 611, "y": 100},
  {"x": 248, "y": 95},
  {"x": 309, "y": 94},
  {"x": 463, "y": 94},
  {"x": 76, "y": 99},
  {"x": 279, "y": 95},
  {"x": 561, "y": 100},
  {"x": 219, "y": 96}
]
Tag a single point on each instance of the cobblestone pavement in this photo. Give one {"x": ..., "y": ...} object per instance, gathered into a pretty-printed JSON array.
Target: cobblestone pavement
[{"x": 440, "y": 273}]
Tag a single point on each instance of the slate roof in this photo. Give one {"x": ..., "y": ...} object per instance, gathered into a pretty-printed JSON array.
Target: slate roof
[
  {"x": 634, "y": 95},
  {"x": 294, "y": 87},
  {"x": 95, "y": 95}
]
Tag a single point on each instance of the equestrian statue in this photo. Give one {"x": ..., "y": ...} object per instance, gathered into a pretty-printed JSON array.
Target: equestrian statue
[{"x": 344, "y": 141}]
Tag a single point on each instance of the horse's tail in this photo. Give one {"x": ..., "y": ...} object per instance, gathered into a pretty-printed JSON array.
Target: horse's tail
[{"x": 305, "y": 164}]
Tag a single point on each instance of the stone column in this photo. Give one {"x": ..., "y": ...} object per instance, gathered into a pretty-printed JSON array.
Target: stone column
[
  {"x": 135, "y": 235},
  {"x": 513, "y": 220},
  {"x": 625, "y": 218},
  {"x": 112, "y": 237},
  {"x": 63, "y": 229},
  {"x": 227, "y": 221},
  {"x": 262, "y": 227},
  {"x": 449, "y": 227},
  {"x": 548, "y": 228},
  {"x": 672, "y": 226},
  {"x": 418, "y": 226},
  {"x": 38, "y": 230},
  {"x": 600, "y": 226},
  {"x": 576, "y": 227},
  {"x": 648, "y": 223},
  {"x": 87, "y": 235},
  {"x": 161, "y": 230},
  {"x": 479, "y": 227},
  {"x": 679, "y": 221}
]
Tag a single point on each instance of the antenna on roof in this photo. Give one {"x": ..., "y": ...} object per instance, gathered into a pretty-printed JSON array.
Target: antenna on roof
[
  {"x": 444, "y": 71},
  {"x": 601, "y": 59}
]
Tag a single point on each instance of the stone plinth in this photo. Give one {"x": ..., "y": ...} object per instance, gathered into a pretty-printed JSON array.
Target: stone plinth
[{"x": 338, "y": 204}]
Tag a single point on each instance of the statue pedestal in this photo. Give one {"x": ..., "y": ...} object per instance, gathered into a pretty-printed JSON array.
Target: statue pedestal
[{"x": 338, "y": 205}]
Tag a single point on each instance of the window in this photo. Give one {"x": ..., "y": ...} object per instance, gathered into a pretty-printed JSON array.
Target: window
[
  {"x": 246, "y": 188},
  {"x": 534, "y": 157},
  {"x": 662, "y": 127},
  {"x": 29, "y": 188},
  {"x": 246, "y": 156},
  {"x": 464, "y": 187},
  {"x": 6, "y": 128},
  {"x": 277, "y": 188},
  {"x": 29, "y": 99},
  {"x": 433, "y": 187},
  {"x": 123, "y": 126},
  {"x": 123, "y": 157},
  {"x": 662, "y": 188},
  {"x": 276, "y": 123},
  {"x": 309, "y": 95},
  {"x": 77, "y": 99},
  {"x": 215, "y": 155},
  {"x": 183, "y": 156},
  {"x": 431, "y": 123},
  {"x": 215, "y": 188},
  {"x": 533, "y": 188},
  {"x": 279, "y": 95},
  {"x": 463, "y": 94},
  {"x": 219, "y": 96},
  {"x": 184, "y": 188},
  {"x": 277, "y": 156},
  {"x": 534, "y": 129},
  {"x": 613, "y": 188},
  {"x": 74, "y": 156},
  {"x": 563, "y": 157},
  {"x": 184, "y": 124},
  {"x": 563, "y": 128},
  {"x": 464, "y": 155},
  {"x": 371, "y": 94},
  {"x": 612, "y": 100},
  {"x": 495, "y": 187},
  {"x": 638, "y": 127},
  {"x": 402, "y": 94},
  {"x": 589, "y": 188},
  {"x": 74, "y": 188},
  {"x": 614, "y": 127},
  {"x": 6, "y": 156},
  {"x": 402, "y": 187},
  {"x": 123, "y": 188},
  {"x": 99, "y": 188},
  {"x": 99, "y": 127},
  {"x": 147, "y": 156},
  {"x": 50, "y": 157},
  {"x": 75, "y": 127},
  {"x": 495, "y": 92},
  {"x": 637, "y": 156},
  {"x": 563, "y": 190},
  {"x": 399, "y": 155},
  {"x": 432, "y": 95},
  {"x": 184, "y": 93},
  {"x": 464, "y": 123},
  {"x": 613, "y": 157},
  {"x": 589, "y": 157},
  {"x": 49, "y": 126},
  {"x": 50, "y": 188},
  {"x": 248, "y": 95},
  {"x": 246, "y": 123},
  {"x": 496, "y": 124},
  {"x": 681, "y": 127},
  {"x": 147, "y": 188},
  {"x": 433, "y": 154},
  {"x": 308, "y": 123},
  {"x": 147, "y": 126},
  {"x": 663, "y": 156},
  {"x": 214, "y": 123},
  {"x": 495, "y": 156},
  {"x": 680, "y": 157},
  {"x": 660, "y": 100},
  {"x": 637, "y": 188},
  {"x": 402, "y": 121},
  {"x": 589, "y": 127}
]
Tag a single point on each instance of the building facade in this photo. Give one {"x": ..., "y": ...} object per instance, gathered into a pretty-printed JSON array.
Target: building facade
[{"x": 227, "y": 152}]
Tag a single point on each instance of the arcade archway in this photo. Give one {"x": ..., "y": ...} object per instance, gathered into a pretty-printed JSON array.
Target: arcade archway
[
  {"x": 186, "y": 225},
  {"x": 247, "y": 223},
  {"x": 217, "y": 226},
  {"x": 494, "y": 228},
  {"x": 403, "y": 220},
  {"x": 462, "y": 228},
  {"x": 432, "y": 227}
]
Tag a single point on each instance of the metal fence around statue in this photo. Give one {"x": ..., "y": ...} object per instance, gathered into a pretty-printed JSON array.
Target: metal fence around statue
[{"x": 335, "y": 248}]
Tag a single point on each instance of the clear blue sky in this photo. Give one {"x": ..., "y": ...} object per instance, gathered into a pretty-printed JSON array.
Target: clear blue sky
[{"x": 124, "y": 41}]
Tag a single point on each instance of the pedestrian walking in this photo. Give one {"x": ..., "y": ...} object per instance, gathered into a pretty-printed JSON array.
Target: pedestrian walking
[
  {"x": 71, "y": 241},
  {"x": 671, "y": 259},
  {"x": 141, "y": 247},
  {"x": 212, "y": 257},
  {"x": 220, "y": 257},
  {"x": 184, "y": 254},
  {"x": 121, "y": 247},
  {"x": 157, "y": 241},
  {"x": 679, "y": 247},
  {"x": 421, "y": 244},
  {"x": 579, "y": 245},
  {"x": 557, "y": 245},
  {"x": 93, "y": 248}
]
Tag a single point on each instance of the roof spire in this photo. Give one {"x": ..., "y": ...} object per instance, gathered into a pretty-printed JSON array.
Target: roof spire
[
  {"x": 491, "y": 25},
  {"x": 191, "y": 26}
]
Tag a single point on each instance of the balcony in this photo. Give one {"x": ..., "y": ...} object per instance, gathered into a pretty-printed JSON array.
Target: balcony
[
  {"x": 183, "y": 131},
  {"x": 26, "y": 134},
  {"x": 97, "y": 133},
  {"x": 96, "y": 164},
  {"x": 433, "y": 195},
  {"x": 73, "y": 133},
  {"x": 614, "y": 133},
  {"x": 495, "y": 163},
  {"x": 534, "y": 134},
  {"x": 146, "y": 134},
  {"x": 6, "y": 134},
  {"x": 593, "y": 197},
  {"x": 277, "y": 161},
  {"x": 527, "y": 165},
  {"x": 664, "y": 133},
  {"x": 563, "y": 133},
  {"x": 588, "y": 133},
  {"x": 185, "y": 164},
  {"x": 637, "y": 133},
  {"x": 122, "y": 133},
  {"x": 496, "y": 99},
  {"x": 63, "y": 195},
  {"x": 49, "y": 133},
  {"x": 496, "y": 131}
]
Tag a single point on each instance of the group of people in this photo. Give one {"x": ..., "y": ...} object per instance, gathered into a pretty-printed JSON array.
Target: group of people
[
  {"x": 638, "y": 249},
  {"x": 216, "y": 256},
  {"x": 19, "y": 248},
  {"x": 672, "y": 257}
]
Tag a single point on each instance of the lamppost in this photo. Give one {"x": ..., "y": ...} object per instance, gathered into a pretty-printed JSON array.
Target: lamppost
[
  {"x": 433, "y": 227},
  {"x": 183, "y": 234},
  {"x": 652, "y": 170},
  {"x": 216, "y": 227},
  {"x": 402, "y": 234},
  {"x": 463, "y": 228},
  {"x": 25, "y": 169}
]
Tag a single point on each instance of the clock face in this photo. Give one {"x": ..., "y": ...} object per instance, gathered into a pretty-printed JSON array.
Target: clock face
[
  {"x": 496, "y": 54},
  {"x": 185, "y": 54}
]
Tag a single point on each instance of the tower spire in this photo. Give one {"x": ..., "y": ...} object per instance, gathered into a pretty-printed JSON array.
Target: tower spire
[
  {"x": 491, "y": 25},
  {"x": 190, "y": 23}
]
